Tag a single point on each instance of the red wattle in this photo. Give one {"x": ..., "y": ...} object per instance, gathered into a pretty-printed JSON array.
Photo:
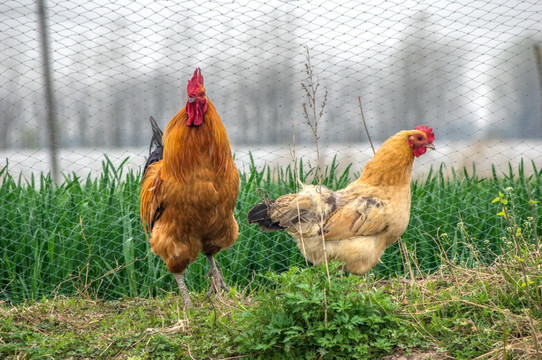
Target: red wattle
[
  {"x": 419, "y": 151},
  {"x": 195, "y": 113}
]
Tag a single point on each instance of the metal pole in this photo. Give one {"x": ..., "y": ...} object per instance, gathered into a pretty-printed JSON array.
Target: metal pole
[
  {"x": 538, "y": 58},
  {"x": 49, "y": 97}
]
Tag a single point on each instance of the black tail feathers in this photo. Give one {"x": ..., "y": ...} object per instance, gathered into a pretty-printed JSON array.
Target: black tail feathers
[
  {"x": 259, "y": 214},
  {"x": 156, "y": 142}
]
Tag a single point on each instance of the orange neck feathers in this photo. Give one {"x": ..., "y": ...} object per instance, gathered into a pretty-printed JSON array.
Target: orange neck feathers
[
  {"x": 204, "y": 147},
  {"x": 392, "y": 163}
]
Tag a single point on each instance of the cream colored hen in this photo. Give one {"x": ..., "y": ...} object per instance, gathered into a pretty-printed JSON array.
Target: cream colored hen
[{"x": 356, "y": 224}]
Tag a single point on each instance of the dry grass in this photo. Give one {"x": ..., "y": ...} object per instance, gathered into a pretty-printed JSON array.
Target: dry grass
[{"x": 481, "y": 305}]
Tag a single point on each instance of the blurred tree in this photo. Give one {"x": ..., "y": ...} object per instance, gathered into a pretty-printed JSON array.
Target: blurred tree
[
  {"x": 516, "y": 95},
  {"x": 430, "y": 87}
]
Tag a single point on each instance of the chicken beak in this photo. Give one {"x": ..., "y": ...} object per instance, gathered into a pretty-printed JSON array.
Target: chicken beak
[
  {"x": 430, "y": 146},
  {"x": 191, "y": 99}
]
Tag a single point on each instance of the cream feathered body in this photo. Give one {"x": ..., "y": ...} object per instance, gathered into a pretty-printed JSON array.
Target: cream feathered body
[{"x": 356, "y": 224}]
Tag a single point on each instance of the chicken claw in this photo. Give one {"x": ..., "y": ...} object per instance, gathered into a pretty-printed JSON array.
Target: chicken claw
[
  {"x": 184, "y": 291},
  {"x": 217, "y": 280}
]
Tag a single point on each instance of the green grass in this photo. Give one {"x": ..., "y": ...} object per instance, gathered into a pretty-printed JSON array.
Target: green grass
[{"x": 84, "y": 236}]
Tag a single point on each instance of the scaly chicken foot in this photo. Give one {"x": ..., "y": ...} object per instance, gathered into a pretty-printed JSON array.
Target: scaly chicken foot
[
  {"x": 217, "y": 280},
  {"x": 184, "y": 291}
]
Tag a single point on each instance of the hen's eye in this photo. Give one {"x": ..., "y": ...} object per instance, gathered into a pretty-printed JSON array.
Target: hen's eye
[{"x": 419, "y": 138}]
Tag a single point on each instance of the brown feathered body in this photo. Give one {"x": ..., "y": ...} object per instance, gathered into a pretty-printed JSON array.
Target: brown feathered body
[
  {"x": 356, "y": 224},
  {"x": 188, "y": 197}
]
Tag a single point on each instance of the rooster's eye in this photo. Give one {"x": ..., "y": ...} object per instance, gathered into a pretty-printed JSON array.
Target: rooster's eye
[{"x": 419, "y": 138}]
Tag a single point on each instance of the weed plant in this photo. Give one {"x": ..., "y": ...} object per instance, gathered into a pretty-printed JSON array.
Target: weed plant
[{"x": 301, "y": 316}]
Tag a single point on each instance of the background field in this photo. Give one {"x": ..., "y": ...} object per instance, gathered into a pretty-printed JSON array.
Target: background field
[{"x": 469, "y": 69}]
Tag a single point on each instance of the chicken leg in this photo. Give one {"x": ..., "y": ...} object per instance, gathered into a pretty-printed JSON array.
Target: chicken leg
[
  {"x": 217, "y": 281},
  {"x": 184, "y": 291}
]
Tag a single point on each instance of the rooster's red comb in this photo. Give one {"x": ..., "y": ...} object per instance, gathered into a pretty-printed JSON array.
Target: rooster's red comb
[
  {"x": 428, "y": 132},
  {"x": 196, "y": 82}
]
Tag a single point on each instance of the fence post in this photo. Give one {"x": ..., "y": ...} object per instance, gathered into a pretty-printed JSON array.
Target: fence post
[{"x": 49, "y": 97}]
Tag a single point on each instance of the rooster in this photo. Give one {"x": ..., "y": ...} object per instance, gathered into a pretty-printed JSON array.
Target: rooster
[
  {"x": 356, "y": 224},
  {"x": 189, "y": 189}
]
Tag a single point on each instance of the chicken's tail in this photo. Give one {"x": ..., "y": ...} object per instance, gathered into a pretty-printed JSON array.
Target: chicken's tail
[
  {"x": 259, "y": 214},
  {"x": 155, "y": 154}
]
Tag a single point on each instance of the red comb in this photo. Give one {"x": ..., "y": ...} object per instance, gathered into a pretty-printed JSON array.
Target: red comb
[
  {"x": 428, "y": 132},
  {"x": 196, "y": 82}
]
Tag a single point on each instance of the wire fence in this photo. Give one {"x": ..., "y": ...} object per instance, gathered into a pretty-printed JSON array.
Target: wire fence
[{"x": 469, "y": 69}]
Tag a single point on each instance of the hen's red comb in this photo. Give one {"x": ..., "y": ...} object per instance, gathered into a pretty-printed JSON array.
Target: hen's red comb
[
  {"x": 428, "y": 132},
  {"x": 196, "y": 82}
]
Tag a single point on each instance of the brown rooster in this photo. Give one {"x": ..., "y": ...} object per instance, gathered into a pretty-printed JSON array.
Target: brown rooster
[
  {"x": 189, "y": 189},
  {"x": 356, "y": 224}
]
